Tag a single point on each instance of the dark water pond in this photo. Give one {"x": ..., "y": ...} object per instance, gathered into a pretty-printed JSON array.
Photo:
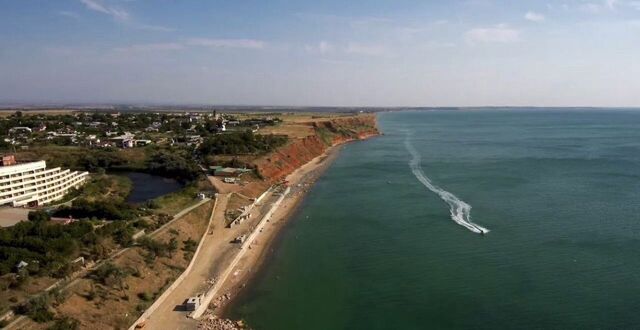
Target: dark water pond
[{"x": 147, "y": 186}]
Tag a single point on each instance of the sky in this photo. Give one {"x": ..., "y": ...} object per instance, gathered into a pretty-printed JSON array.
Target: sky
[{"x": 322, "y": 53}]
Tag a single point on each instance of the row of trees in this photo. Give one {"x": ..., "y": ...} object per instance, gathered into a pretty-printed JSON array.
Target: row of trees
[
  {"x": 178, "y": 164},
  {"x": 241, "y": 143},
  {"x": 110, "y": 209},
  {"x": 48, "y": 247}
]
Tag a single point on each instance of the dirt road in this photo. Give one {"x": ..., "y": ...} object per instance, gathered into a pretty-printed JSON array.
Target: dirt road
[{"x": 216, "y": 254}]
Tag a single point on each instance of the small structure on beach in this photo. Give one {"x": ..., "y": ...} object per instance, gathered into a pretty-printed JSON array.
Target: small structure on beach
[
  {"x": 193, "y": 303},
  {"x": 240, "y": 239}
]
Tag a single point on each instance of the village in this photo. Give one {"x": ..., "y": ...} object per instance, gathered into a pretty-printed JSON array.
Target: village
[{"x": 122, "y": 130}]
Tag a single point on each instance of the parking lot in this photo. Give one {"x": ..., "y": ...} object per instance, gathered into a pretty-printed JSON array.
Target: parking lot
[{"x": 10, "y": 216}]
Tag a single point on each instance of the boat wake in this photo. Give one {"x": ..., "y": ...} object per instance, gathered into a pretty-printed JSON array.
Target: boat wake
[{"x": 460, "y": 211}]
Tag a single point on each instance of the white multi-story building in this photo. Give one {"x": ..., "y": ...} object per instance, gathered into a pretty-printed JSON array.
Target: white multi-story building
[{"x": 32, "y": 184}]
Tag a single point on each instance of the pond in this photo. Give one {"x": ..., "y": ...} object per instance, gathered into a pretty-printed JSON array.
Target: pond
[{"x": 148, "y": 186}]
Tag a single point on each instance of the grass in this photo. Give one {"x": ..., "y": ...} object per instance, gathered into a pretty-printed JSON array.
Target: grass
[
  {"x": 105, "y": 186},
  {"x": 175, "y": 202}
]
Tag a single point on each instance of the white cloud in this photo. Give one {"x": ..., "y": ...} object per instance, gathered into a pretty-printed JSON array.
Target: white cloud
[
  {"x": 634, "y": 4},
  {"x": 151, "y": 47},
  {"x": 605, "y": 5},
  {"x": 69, "y": 14},
  {"x": 439, "y": 44},
  {"x": 122, "y": 16},
  {"x": 98, "y": 6},
  {"x": 322, "y": 47},
  {"x": 157, "y": 28},
  {"x": 194, "y": 42},
  {"x": 368, "y": 50},
  {"x": 227, "y": 43},
  {"x": 367, "y": 22},
  {"x": 591, "y": 7},
  {"x": 501, "y": 33},
  {"x": 534, "y": 17}
]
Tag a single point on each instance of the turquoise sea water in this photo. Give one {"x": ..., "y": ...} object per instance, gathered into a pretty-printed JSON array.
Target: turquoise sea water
[{"x": 374, "y": 248}]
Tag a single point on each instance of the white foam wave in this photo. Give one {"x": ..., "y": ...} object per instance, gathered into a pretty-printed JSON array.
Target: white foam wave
[{"x": 460, "y": 211}]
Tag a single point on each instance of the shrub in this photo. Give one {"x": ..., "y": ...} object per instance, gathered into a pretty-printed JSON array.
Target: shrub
[
  {"x": 103, "y": 209},
  {"x": 241, "y": 143},
  {"x": 38, "y": 216},
  {"x": 145, "y": 296},
  {"x": 175, "y": 165},
  {"x": 109, "y": 274},
  {"x": 190, "y": 245},
  {"x": 37, "y": 309},
  {"x": 65, "y": 323}
]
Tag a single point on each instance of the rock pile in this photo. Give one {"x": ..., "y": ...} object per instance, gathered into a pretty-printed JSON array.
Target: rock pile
[{"x": 212, "y": 322}]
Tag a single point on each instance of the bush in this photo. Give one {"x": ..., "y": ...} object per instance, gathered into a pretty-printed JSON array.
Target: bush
[
  {"x": 190, "y": 245},
  {"x": 174, "y": 165},
  {"x": 145, "y": 296},
  {"x": 103, "y": 209},
  {"x": 47, "y": 247},
  {"x": 159, "y": 249},
  {"x": 38, "y": 216},
  {"x": 109, "y": 274},
  {"x": 65, "y": 323},
  {"x": 37, "y": 309},
  {"x": 241, "y": 143},
  {"x": 152, "y": 204}
]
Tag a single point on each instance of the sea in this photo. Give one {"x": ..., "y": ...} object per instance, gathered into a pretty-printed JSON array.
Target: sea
[{"x": 465, "y": 219}]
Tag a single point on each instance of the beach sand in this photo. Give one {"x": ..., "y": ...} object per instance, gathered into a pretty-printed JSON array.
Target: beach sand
[
  {"x": 300, "y": 182},
  {"x": 218, "y": 253}
]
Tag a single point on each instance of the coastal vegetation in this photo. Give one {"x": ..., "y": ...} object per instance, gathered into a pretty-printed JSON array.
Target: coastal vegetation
[
  {"x": 47, "y": 248},
  {"x": 108, "y": 223},
  {"x": 241, "y": 143},
  {"x": 176, "y": 164},
  {"x": 103, "y": 197},
  {"x": 128, "y": 283}
]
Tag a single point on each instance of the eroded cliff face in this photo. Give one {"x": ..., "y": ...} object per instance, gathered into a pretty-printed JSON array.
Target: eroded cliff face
[{"x": 277, "y": 165}]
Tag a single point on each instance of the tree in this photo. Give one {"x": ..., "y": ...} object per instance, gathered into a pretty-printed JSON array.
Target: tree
[
  {"x": 110, "y": 274},
  {"x": 65, "y": 323},
  {"x": 38, "y": 216},
  {"x": 37, "y": 309},
  {"x": 172, "y": 246}
]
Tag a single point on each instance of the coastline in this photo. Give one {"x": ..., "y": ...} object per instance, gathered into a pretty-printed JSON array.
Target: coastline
[{"x": 255, "y": 260}]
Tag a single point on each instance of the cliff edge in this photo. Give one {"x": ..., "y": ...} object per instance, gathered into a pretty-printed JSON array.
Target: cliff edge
[{"x": 326, "y": 133}]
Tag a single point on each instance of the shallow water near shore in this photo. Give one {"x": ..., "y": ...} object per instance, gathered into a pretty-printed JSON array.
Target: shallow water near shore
[{"x": 375, "y": 247}]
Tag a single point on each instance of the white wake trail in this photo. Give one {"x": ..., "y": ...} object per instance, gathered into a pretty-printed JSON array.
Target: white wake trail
[{"x": 460, "y": 211}]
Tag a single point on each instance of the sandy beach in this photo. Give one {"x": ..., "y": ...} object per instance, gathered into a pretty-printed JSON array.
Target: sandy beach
[
  {"x": 301, "y": 182},
  {"x": 230, "y": 257},
  {"x": 222, "y": 269}
]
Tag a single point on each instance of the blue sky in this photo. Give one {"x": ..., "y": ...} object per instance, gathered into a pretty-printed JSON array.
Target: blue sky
[{"x": 346, "y": 53}]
